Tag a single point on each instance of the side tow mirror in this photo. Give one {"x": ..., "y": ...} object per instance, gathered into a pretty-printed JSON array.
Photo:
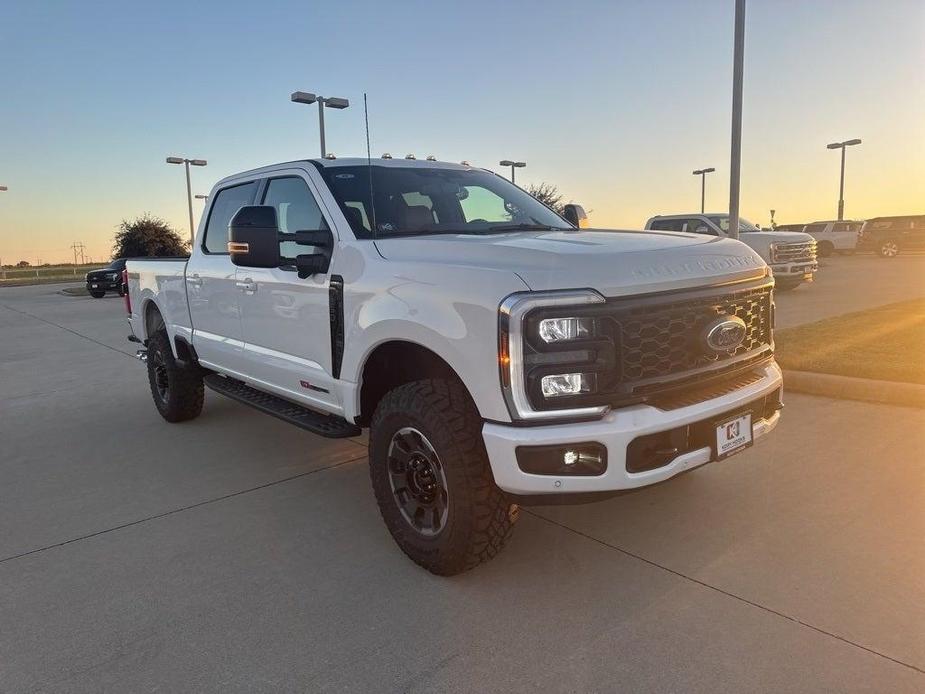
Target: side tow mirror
[
  {"x": 254, "y": 241},
  {"x": 575, "y": 215},
  {"x": 253, "y": 237}
]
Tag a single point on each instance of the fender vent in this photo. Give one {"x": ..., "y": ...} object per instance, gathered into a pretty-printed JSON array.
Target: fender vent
[{"x": 336, "y": 313}]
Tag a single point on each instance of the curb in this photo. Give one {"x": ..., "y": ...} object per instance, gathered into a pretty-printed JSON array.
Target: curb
[{"x": 849, "y": 388}]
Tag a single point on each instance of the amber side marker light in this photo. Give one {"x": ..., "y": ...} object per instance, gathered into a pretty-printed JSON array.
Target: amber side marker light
[{"x": 504, "y": 358}]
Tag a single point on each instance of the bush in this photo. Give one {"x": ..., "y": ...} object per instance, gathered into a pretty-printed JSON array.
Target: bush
[
  {"x": 547, "y": 194},
  {"x": 148, "y": 236}
]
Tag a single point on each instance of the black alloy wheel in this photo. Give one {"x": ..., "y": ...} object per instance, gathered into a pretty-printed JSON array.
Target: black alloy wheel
[
  {"x": 161, "y": 375},
  {"x": 418, "y": 482}
]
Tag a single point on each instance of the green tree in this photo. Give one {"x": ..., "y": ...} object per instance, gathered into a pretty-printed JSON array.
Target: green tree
[
  {"x": 547, "y": 194},
  {"x": 147, "y": 236}
]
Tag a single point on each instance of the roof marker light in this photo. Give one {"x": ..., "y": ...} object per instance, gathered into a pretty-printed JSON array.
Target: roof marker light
[
  {"x": 410, "y": 156},
  {"x": 431, "y": 157},
  {"x": 386, "y": 156}
]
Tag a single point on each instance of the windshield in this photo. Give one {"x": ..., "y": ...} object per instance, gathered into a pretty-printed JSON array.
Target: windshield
[
  {"x": 430, "y": 200},
  {"x": 722, "y": 221}
]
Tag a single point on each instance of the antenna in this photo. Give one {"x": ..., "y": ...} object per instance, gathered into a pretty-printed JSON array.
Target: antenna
[{"x": 369, "y": 167}]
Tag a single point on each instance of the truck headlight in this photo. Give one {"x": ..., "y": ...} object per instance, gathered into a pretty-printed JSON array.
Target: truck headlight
[
  {"x": 559, "y": 385},
  {"x": 565, "y": 329},
  {"x": 552, "y": 348}
]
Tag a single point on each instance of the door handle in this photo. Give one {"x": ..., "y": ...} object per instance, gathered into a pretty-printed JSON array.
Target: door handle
[
  {"x": 195, "y": 280},
  {"x": 247, "y": 285}
]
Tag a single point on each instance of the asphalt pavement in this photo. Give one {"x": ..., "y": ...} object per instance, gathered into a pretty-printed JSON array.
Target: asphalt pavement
[
  {"x": 238, "y": 553},
  {"x": 847, "y": 283}
]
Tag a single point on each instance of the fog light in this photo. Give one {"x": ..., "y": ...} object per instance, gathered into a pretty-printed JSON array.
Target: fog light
[
  {"x": 577, "y": 459},
  {"x": 559, "y": 385},
  {"x": 564, "y": 329}
]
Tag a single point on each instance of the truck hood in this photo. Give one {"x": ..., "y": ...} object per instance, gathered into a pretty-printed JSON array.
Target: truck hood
[
  {"x": 776, "y": 236},
  {"x": 615, "y": 263}
]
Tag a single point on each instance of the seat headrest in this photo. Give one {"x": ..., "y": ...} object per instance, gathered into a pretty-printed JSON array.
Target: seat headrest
[{"x": 417, "y": 216}]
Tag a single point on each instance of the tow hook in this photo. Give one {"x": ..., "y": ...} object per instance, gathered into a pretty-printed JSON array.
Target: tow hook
[{"x": 142, "y": 355}]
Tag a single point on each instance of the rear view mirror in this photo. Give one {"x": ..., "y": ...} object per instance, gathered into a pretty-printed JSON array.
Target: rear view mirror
[
  {"x": 253, "y": 237},
  {"x": 576, "y": 215}
]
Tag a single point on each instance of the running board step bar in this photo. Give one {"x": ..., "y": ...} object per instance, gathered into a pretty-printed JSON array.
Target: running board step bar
[{"x": 331, "y": 426}]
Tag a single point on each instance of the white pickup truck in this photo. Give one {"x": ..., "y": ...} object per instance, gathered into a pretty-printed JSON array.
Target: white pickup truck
[
  {"x": 498, "y": 354},
  {"x": 790, "y": 255}
]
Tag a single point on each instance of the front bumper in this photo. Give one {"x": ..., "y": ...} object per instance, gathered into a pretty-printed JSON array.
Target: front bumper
[
  {"x": 104, "y": 285},
  {"x": 615, "y": 431},
  {"x": 805, "y": 269}
]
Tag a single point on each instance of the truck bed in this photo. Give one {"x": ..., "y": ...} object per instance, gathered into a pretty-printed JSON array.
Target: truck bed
[{"x": 160, "y": 280}]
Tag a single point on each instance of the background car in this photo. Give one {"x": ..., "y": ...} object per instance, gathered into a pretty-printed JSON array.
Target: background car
[
  {"x": 834, "y": 236},
  {"x": 889, "y": 236},
  {"x": 107, "y": 279}
]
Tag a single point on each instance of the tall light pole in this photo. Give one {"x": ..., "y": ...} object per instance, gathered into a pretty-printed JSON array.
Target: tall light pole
[
  {"x": 841, "y": 184},
  {"x": 513, "y": 165},
  {"x": 738, "y": 66},
  {"x": 703, "y": 184},
  {"x": 329, "y": 101},
  {"x": 189, "y": 189}
]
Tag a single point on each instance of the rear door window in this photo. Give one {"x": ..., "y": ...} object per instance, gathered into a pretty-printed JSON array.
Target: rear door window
[
  {"x": 226, "y": 203},
  {"x": 669, "y": 224}
]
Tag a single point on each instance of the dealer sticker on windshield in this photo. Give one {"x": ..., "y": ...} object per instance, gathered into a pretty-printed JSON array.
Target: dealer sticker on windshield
[{"x": 733, "y": 435}]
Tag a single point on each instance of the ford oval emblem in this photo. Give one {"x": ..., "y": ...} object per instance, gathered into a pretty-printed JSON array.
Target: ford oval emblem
[{"x": 724, "y": 334}]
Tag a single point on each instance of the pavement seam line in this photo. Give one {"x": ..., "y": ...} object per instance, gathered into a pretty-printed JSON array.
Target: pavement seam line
[
  {"x": 182, "y": 509},
  {"x": 73, "y": 332},
  {"x": 721, "y": 591}
]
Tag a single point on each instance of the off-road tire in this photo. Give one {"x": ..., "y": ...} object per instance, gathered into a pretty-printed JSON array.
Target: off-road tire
[
  {"x": 182, "y": 398},
  {"x": 97, "y": 295},
  {"x": 825, "y": 248},
  {"x": 479, "y": 517}
]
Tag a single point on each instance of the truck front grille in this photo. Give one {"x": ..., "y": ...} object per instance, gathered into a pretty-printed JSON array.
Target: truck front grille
[
  {"x": 804, "y": 251},
  {"x": 659, "y": 341}
]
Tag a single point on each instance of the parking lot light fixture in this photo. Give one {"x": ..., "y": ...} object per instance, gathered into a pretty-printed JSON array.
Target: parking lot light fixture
[
  {"x": 841, "y": 182},
  {"x": 703, "y": 184},
  {"x": 322, "y": 101},
  {"x": 3, "y": 188},
  {"x": 513, "y": 165},
  {"x": 189, "y": 190}
]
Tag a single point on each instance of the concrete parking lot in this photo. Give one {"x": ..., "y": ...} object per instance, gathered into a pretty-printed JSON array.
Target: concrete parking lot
[{"x": 237, "y": 553}]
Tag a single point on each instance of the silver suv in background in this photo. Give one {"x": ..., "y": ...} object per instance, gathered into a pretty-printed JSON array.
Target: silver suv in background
[
  {"x": 790, "y": 255},
  {"x": 834, "y": 236}
]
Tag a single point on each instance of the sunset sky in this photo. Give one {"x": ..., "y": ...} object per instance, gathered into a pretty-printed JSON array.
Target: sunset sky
[{"x": 614, "y": 102}]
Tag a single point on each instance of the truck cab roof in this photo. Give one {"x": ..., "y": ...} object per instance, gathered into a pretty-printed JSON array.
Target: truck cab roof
[{"x": 323, "y": 163}]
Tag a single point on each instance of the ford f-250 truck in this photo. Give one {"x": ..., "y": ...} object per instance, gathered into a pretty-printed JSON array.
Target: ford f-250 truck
[
  {"x": 498, "y": 354},
  {"x": 791, "y": 255}
]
